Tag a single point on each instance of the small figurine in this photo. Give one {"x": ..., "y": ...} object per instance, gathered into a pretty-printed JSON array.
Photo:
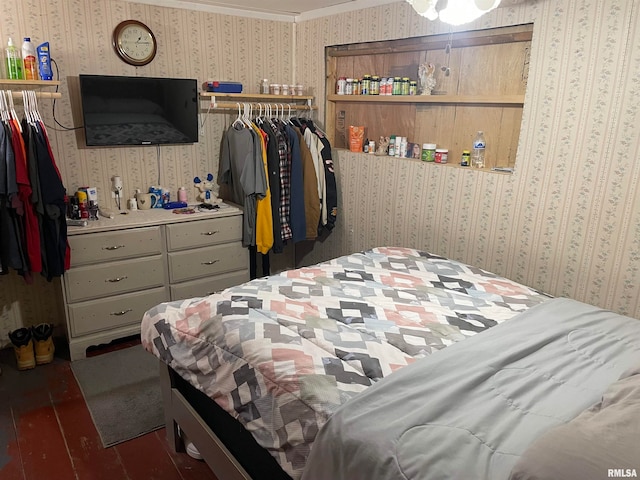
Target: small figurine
[
  {"x": 426, "y": 78},
  {"x": 383, "y": 146},
  {"x": 206, "y": 187}
]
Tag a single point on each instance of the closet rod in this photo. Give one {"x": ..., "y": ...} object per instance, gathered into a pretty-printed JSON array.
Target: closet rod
[
  {"x": 17, "y": 95},
  {"x": 234, "y": 106}
]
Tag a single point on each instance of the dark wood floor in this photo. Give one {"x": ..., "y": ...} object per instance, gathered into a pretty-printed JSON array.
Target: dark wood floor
[{"x": 46, "y": 432}]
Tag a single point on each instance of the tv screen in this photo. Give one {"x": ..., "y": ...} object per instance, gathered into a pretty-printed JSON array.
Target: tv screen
[{"x": 120, "y": 110}]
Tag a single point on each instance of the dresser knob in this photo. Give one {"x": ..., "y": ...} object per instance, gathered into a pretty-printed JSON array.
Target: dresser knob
[
  {"x": 210, "y": 262},
  {"x": 123, "y": 312},
  {"x": 114, "y": 280},
  {"x": 114, "y": 247},
  {"x": 209, "y": 233}
]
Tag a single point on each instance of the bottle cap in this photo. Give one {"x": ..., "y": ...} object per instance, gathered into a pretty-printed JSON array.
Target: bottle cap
[
  {"x": 27, "y": 39},
  {"x": 10, "y": 42},
  {"x": 429, "y": 146}
]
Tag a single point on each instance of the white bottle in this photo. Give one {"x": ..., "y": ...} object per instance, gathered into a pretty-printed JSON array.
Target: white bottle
[
  {"x": 477, "y": 154},
  {"x": 29, "y": 60}
]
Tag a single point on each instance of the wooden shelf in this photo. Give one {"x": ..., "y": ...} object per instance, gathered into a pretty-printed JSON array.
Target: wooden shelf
[
  {"x": 16, "y": 87},
  {"x": 517, "y": 100}
]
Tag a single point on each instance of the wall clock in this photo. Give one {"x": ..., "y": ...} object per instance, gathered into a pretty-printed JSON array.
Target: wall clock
[{"x": 134, "y": 42}]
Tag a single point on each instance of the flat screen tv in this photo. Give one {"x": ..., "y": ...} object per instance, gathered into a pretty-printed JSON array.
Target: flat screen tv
[{"x": 120, "y": 110}]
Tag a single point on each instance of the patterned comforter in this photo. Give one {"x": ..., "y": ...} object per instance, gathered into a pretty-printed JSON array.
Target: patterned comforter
[{"x": 281, "y": 353}]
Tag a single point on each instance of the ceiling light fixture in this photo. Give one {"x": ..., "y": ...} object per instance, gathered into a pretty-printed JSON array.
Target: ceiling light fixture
[{"x": 453, "y": 12}]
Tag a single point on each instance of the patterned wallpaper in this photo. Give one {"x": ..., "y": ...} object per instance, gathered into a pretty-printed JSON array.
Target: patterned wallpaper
[
  {"x": 567, "y": 221},
  {"x": 191, "y": 44}
]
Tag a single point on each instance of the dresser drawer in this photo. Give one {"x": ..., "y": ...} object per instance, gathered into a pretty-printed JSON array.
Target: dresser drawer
[
  {"x": 204, "y": 287},
  {"x": 102, "y": 280},
  {"x": 107, "y": 246},
  {"x": 203, "y": 262},
  {"x": 203, "y": 233},
  {"x": 107, "y": 313}
]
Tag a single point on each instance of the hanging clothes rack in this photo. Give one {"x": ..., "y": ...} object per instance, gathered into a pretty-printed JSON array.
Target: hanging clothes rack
[
  {"x": 15, "y": 87},
  {"x": 295, "y": 102},
  {"x": 17, "y": 95},
  {"x": 256, "y": 105}
]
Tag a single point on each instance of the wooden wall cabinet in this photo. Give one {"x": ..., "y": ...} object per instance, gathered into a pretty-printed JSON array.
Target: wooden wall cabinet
[{"x": 484, "y": 90}]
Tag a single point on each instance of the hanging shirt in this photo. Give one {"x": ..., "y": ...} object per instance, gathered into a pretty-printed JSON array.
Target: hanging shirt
[
  {"x": 310, "y": 186},
  {"x": 25, "y": 209},
  {"x": 273, "y": 171},
  {"x": 12, "y": 252},
  {"x": 284, "y": 155},
  {"x": 242, "y": 169},
  {"x": 264, "y": 218},
  {"x": 298, "y": 220},
  {"x": 53, "y": 225}
]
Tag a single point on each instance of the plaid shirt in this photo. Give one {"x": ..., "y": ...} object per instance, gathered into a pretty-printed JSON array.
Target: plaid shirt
[{"x": 285, "y": 184}]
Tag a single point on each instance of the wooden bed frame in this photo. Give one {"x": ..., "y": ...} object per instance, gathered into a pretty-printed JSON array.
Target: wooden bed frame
[{"x": 179, "y": 413}]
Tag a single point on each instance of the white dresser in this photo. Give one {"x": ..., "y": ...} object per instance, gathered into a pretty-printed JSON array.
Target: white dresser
[{"x": 123, "y": 266}]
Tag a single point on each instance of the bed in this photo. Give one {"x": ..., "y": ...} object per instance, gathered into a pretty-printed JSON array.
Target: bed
[{"x": 320, "y": 372}]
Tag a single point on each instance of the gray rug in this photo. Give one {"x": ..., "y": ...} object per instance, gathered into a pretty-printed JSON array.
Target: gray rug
[{"x": 122, "y": 391}]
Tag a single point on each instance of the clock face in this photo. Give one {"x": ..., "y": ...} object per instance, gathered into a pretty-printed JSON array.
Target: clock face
[{"x": 134, "y": 42}]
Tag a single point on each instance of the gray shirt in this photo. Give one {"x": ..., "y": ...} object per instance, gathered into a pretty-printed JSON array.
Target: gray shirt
[{"x": 242, "y": 169}]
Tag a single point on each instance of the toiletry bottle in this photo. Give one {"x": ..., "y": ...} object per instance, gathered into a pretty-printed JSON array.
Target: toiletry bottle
[
  {"x": 182, "y": 195},
  {"x": 44, "y": 61},
  {"x": 30, "y": 68},
  {"x": 14, "y": 62}
]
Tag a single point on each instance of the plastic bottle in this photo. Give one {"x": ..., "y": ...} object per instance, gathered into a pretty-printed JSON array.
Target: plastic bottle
[
  {"x": 14, "y": 62},
  {"x": 477, "y": 155},
  {"x": 182, "y": 195},
  {"x": 29, "y": 61},
  {"x": 44, "y": 61},
  {"x": 392, "y": 146}
]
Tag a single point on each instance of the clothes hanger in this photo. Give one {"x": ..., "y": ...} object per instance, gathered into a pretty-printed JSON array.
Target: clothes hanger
[
  {"x": 28, "y": 109},
  {"x": 246, "y": 117},
  {"x": 259, "y": 119},
  {"x": 12, "y": 110},
  {"x": 4, "y": 111},
  {"x": 238, "y": 120},
  {"x": 34, "y": 104}
]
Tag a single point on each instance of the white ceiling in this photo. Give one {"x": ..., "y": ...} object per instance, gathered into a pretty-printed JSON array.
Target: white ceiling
[
  {"x": 285, "y": 10},
  {"x": 288, "y": 10},
  {"x": 286, "y": 7}
]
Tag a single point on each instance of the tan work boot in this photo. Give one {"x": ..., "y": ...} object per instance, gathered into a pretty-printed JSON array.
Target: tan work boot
[
  {"x": 23, "y": 348},
  {"x": 43, "y": 341}
]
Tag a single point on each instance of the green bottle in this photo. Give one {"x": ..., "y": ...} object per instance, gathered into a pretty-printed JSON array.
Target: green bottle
[{"x": 14, "y": 62}]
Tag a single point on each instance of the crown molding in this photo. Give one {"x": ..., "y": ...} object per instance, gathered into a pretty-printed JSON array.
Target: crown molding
[{"x": 265, "y": 14}]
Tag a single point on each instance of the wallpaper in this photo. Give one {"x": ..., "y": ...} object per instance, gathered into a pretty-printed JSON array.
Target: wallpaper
[
  {"x": 568, "y": 220},
  {"x": 191, "y": 44}
]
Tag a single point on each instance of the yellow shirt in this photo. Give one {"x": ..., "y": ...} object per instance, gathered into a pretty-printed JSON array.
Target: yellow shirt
[{"x": 264, "y": 219}]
